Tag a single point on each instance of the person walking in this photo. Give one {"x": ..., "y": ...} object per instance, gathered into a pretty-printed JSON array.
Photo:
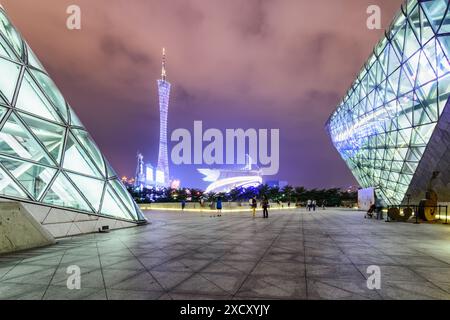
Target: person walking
[
  {"x": 308, "y": 204},
  {"x": 314, "y": 205},
  {"x": 183, "y": 205},
  {"x": 265, "y": 205},
  {"x": 219, "y": 207},
  {"x": 254, "y": 204}
]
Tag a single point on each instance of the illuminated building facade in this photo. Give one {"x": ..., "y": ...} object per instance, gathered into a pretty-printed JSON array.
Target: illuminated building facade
[
  {"x": 47, "y": 158},
  {"x": 392, "y": 127},
  {"x": 140, "y": 178},
  {"x": 162, "y": 175},
  {"x": 224, "y": 180}
]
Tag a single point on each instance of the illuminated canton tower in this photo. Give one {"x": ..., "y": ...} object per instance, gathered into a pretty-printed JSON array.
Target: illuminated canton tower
[{"x": 162, "y": 171}]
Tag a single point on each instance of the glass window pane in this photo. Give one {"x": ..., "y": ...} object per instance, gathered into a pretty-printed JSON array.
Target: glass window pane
[
  {"x": 74, "y": 120},
  {"x": 6, "y": 51},
  {"x": 52, "y": 92},
  {"x": 92, "y": 189},
  {"x": 9, "y": 188},
  {"x": 49, "y": 134},
  {"x": 33, "y": 60},
  {"x": 76, "y": 159},
  {"x": 435, "y": 10},
  {"x": 63, "y": 194},
  {"x": 89, "y": 145},
  {"x": 110, "y": 171},
  {"x": 15, "y": 140},
  {"x": 33, "y": 178},
  {"x": 124, "y": 196},
  {"x": 7, "y": 29},
  {"x": 9, "y": 74},
  {"x": 112, "y": 207},
  {"x": 32, "y": 100},
  {"x": 2, "y": 112}
]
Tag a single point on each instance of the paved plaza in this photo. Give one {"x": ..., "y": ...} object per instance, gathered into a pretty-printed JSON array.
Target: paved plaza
[{"x": 293, "y": 255}]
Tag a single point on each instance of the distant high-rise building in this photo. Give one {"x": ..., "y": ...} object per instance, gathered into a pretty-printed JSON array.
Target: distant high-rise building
[
  {"x": 140, "y": 173},
  {"x": 162, "y": 169}
]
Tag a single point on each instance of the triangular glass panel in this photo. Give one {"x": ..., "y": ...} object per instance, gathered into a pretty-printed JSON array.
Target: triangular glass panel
[
  {"x": 2, "y": 112},
  {"x": 110, "y": 171},
  {"x": 394, "y": 60},
  {"x": 390, "y": 93},
  {"x": 77, "y": 160},
  {"x": 411, "y": 67},
  {"x": 63, "y": 194},
  {"x": 34, "y": 178},
  {"x": 74, "y": 120},
  {"x": 420, "y": 117},
  {"x": 426, "y": 73},
  {"x": 9, "y": 72},
  {"x": 405, "y": 84},
  {"x": 414, "y": 20},
  {"x": 124, "y": 195},
  {"x": 445, "y": 27},
  {"x": 430, "y": 107},
  {"x": 397, "y": 24},
  {"x": 426, "y": 31},
  {"x": 6, "y": 51},
  {"x": 411, "y": 42},
  {"x": 52, "y": 92},
  {"x": 92, "y": 189},
  {"x": 49, "y": 134},
  {"x": 394, "y": 80},
  {"x": 10, "y": 188},
  {"x": 384, "y": 60},
  {"x": 12, "y": 36},
  {"x": 442, "y": 64},
  {"x": 435, "y": 10},
  {"x": 429, "y": 52},
  {"x": 444, "y": 92},
  {"x": 445, "y": 45},
  {"x": 32, "y": 100},
  {"x": 17, "y": 141},
  {"x": 33, "y": 60},
  {"x": 92, "y": 149},
  {"x": 398, "y": 43},
  {"x": 111, "y": 205}
]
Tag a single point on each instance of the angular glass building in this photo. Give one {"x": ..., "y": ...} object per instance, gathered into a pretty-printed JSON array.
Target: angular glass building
[
  {"x": 392, "y": 128},
  {"x": 47, "y": 157}
]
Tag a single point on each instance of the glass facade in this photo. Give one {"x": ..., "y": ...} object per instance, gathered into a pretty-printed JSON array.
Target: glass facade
[
  {"x": 46, "y": 155},
  {"x": 384, "y": 123}
]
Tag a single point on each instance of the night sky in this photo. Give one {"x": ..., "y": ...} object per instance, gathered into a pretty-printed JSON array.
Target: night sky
[{"x": 281, "y": 64}]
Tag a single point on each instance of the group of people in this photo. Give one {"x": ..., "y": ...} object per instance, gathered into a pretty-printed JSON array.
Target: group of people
[
  {"x": 264, "y": 204},
  {"x": 253, "y": 204},
  {"x": 311, "y": 205}
]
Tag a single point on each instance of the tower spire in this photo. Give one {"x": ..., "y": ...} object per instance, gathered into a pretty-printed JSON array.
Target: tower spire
[{"x": 163, "y": 71}]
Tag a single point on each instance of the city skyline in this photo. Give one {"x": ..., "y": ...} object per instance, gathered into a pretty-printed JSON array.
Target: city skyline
[{"x": 214, "y": 80}]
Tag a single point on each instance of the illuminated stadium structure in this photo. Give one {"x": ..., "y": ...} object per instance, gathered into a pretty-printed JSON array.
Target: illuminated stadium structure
[
  {"x": 48, "y": 161},
  {"x": 392, "y": 128},
  {"x": 224, "y": 180}
]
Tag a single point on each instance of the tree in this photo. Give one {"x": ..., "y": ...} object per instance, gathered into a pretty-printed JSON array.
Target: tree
[{"x": 287, "y": 193}]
